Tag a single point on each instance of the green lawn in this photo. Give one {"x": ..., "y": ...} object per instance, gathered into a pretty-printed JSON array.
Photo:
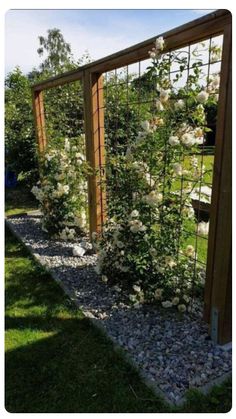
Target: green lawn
[
  {"x": 56, "y": 361},
  {"x": 190, "y": 225},
  {"x": 18, "y": 200}
]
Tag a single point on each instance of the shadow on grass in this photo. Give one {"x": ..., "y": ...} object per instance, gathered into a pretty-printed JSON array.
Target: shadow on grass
[
  {"x": 56, "y": 361},
  {"x": 74, "y": 370},
  {"x": 18, "y": 200}
]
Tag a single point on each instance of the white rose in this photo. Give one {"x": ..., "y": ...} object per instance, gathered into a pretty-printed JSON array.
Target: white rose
[
  {"x": 188, "y": 211},
  {"x": 48, "y": 157},
  {"x": 164, "y": 95},
  {"x": 200, "y": 140},
  {"x": 216, "y": 81},
  {"x": 179, "y": 104},
  {"x": 134, "y": 214},
  {"x": 173, "y": 140},
  {"x": 143, "y": 228},
  {"x": 177, "y": 168},
  {"x": 189, "y": 251},
  {"x": 136, "y": 288},
  {"x": 182, "y": 308},
  {"x": 80, "y": 156},
  {"x": 166, "y": 304},
  {"x": 186, "y": 298},
  {"x": 152, "y": 53},
  {"x": 159, "y": 43},
  {"x": 159, "y": 106},
  {"x": 153, "y": 198},
  {"x": 132, "y": 298},
  {"x": 188, "y": 139},
  {"x": 175, "y": 301},
  {"x": 202, "y": 96},
  {"x": 198, "y": 132},
  {"x": 136, "y": 226},
  {"x": 66, "y": 189},
  {"x": 203, "y": 228},
  {"x": 169, "y": 261}
]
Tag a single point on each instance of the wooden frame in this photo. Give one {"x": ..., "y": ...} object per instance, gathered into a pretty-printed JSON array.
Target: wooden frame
[
  {"x": 95, "y": 149},
  {"x": 39, "y": 120},
  {"x": 218, "y": 281},
  {"x": 218, "y": 289}
]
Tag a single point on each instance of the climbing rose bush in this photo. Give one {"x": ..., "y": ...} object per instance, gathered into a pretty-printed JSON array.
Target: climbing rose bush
[
  {"x": 143, "y": 244},
  {"x": 62, "y": 190}
]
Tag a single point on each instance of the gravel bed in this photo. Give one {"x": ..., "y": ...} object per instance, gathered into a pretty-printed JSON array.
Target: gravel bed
[{"x": 172, "y": 351}]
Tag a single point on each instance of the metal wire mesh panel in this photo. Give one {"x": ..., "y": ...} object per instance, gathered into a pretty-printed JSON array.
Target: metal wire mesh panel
[
  {"x": 64, "y": 112},
  {"x": 160, "y": 121},
  {"x": 63, "y": 192}
]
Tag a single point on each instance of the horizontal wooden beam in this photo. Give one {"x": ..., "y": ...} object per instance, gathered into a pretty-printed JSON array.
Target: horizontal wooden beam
[
  {"x": 60, "y": 80},
  {"x": 194, "y": 31}
]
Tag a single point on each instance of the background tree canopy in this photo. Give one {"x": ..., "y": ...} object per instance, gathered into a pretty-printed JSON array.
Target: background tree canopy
[{"x": 64, "y": 107}]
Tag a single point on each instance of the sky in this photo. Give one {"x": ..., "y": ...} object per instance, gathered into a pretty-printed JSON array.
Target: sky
[{"x": 101, "y": 32}]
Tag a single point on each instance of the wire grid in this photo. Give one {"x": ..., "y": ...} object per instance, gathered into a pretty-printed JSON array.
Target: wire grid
[
  {"x": 64, "y": 113},
  {"x": 64, "y": 129},
  {"x": 128, "y": 93}
]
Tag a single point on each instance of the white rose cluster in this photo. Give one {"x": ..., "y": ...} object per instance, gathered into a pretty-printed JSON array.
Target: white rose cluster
[
  {"x": 62, "y": 191},
  {"x": 153, "y": 199},
  {"x": 148, "y": 235},
  {"x": 159, "y": 46},
  {"x": 136, "y": 226},
  {"x": 187, "y": 136},
  {"x": 203, "y": 228}
]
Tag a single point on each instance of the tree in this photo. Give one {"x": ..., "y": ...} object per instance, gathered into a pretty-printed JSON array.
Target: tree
[
  {"x": 19, "y": 126},
  {"x": 64, "y": 109},
  {"x": 58, "y": 51}
]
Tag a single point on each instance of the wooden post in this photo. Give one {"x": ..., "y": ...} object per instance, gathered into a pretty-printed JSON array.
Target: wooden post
[
  {"x": 95, "y": 148},
  {"x": 218, "y": 289},
  {"x": 38, "y": 109}
]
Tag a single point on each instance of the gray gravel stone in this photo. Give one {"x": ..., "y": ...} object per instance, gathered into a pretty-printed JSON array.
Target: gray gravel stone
[{"x": 172, "y": 351}]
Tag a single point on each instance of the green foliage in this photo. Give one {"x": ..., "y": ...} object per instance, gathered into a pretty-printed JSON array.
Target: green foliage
[
  {"x": 62, "y": 189},
  {"x": 150, "y": 189},
  {"x": 20, "y": 142},
  {"x": 58, "y": 51},
  {"x": 63, "y": 106}
]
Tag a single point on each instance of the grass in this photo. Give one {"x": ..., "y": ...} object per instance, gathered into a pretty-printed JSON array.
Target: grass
[
  {"x": 18, "y": 200},
  {"x": 56, "y": 361},
  {"x": 190, "y": 225}
]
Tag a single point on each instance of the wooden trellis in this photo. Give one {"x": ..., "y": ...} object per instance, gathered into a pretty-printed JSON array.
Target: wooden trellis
[{"x": 218, "y": 291}]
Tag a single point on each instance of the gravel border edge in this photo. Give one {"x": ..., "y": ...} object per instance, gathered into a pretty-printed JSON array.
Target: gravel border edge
[{"x": 154, "y": 387}]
